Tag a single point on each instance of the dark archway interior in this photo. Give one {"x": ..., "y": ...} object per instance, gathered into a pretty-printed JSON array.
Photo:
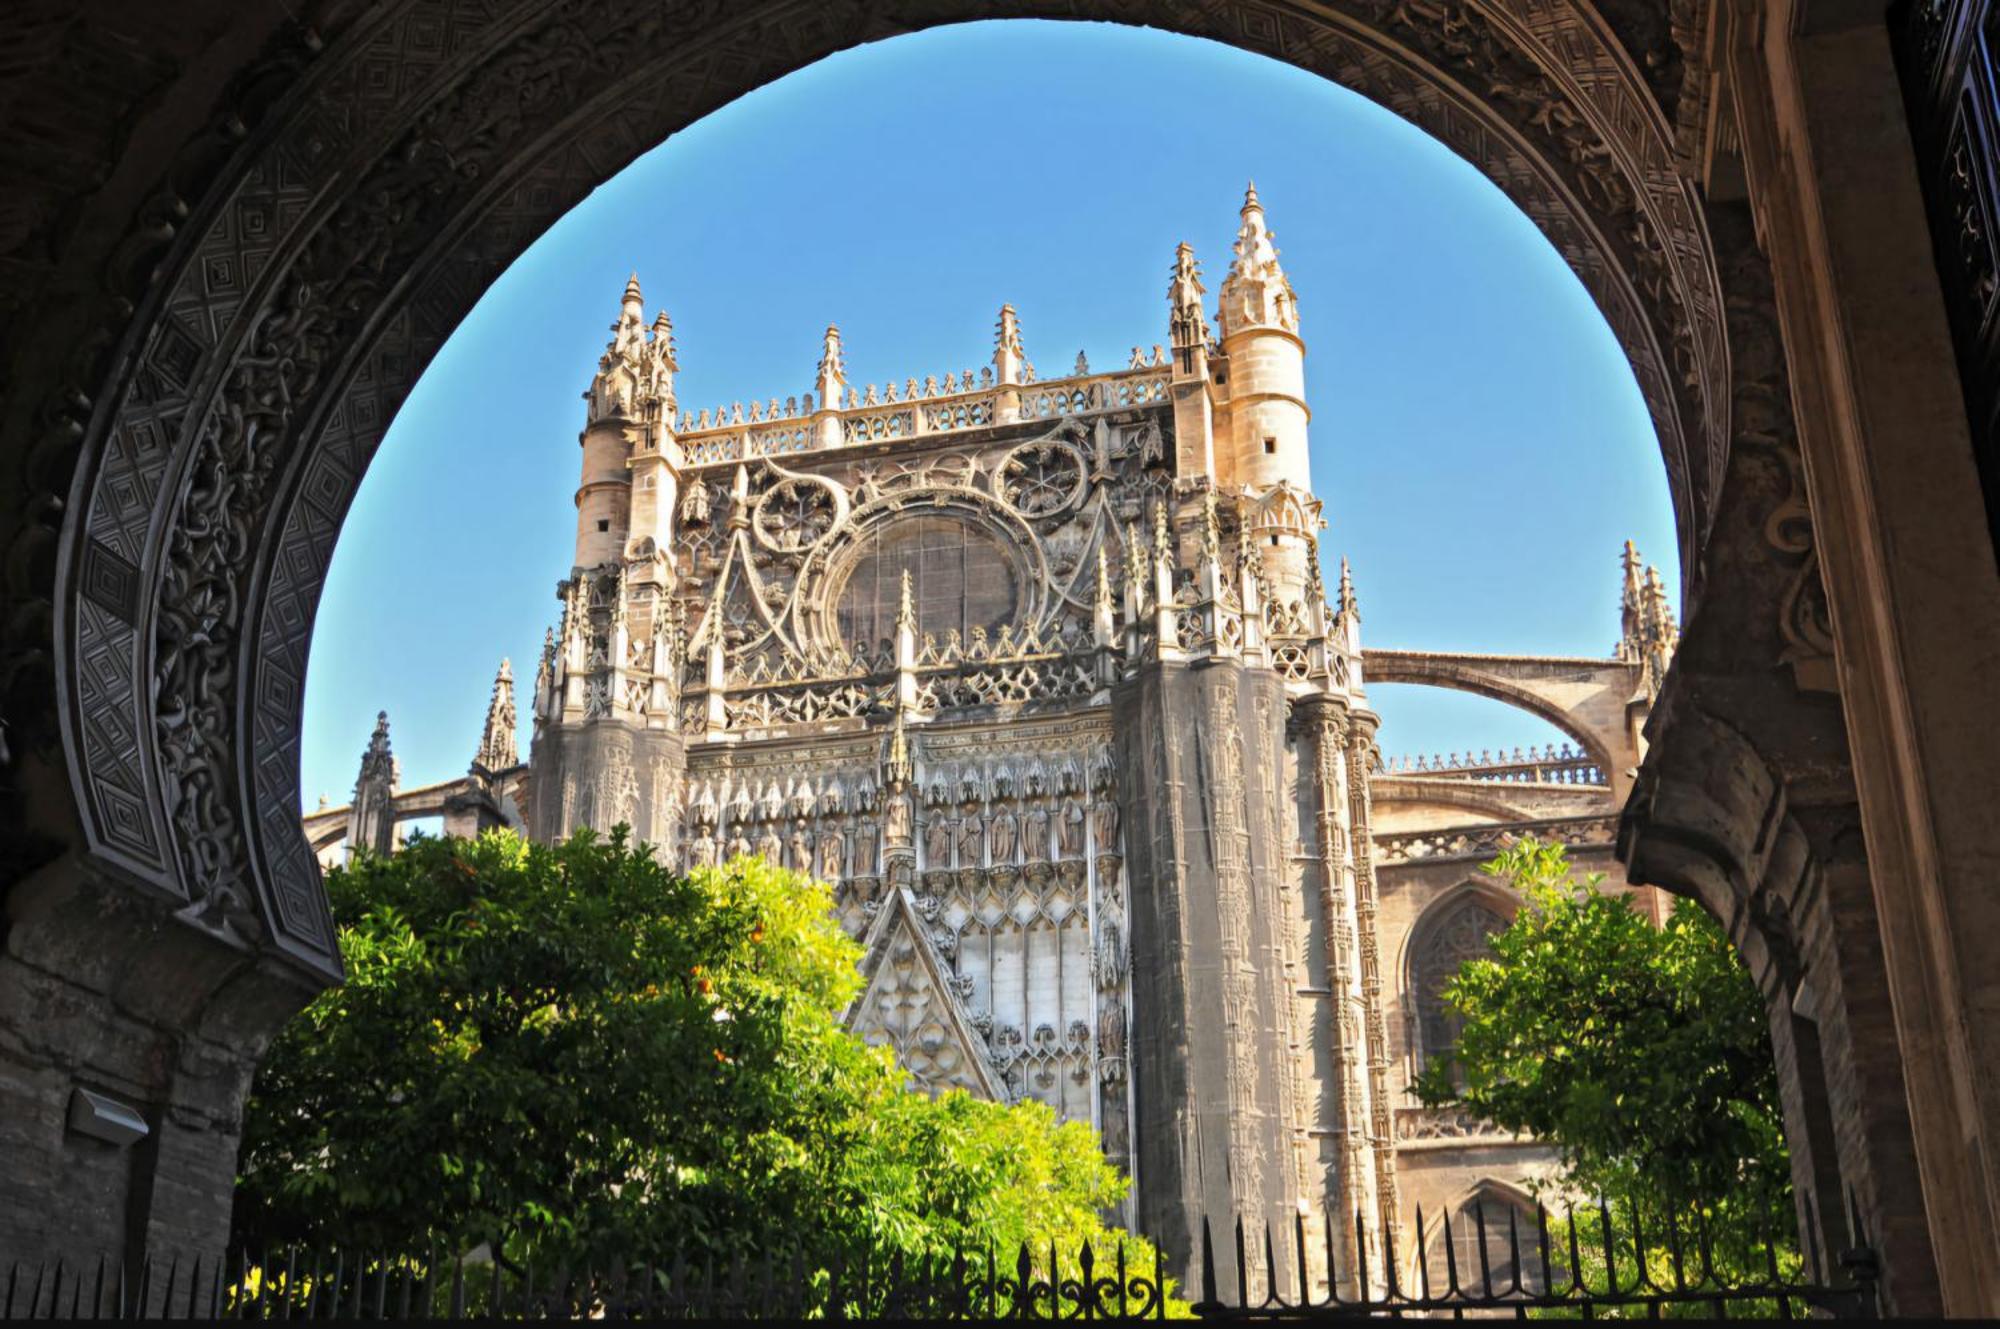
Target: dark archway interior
[{"x": 249, "y": 236}]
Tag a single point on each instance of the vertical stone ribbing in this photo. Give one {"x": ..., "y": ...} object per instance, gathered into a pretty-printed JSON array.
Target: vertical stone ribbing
[
  {"x": 1382, "y": 1133},
  {"x": 1353, "y": 1191},
  {"x": 1216, "y": 1111}
]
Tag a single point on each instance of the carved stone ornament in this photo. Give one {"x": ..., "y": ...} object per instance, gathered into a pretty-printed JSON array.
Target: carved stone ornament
[
  {"x": 1041, "y": 478},
  {"x": 354, "y": 197},
  {"x": 798, "y": 513}
]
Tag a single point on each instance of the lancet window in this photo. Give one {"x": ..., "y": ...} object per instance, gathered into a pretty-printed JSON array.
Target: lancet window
[{"x": 1459, "y": 929}]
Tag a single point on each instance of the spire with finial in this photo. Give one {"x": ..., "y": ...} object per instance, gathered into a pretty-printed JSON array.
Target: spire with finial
[
  {"x": 1103, "y": 609},
  {"x": 1211, "y": 530},
  {"x": 906, "y": 608},
  {"x": 630, "y": 329},
  {"x": 1256, "y": 292},
  {"x": 1187, "y": 318},
  {"x": 1163, "y": 542},
  {"x": 1348, "y": 607},
  {"x": 1630, "y": 605},
  {"x": 661, "y": 365},
  {"x": 897, "y": 769},
  {"x": 618, "y": 385},
  {"x": 378, "y": 761},
  {"x": 1009, "y": 357},
  {"x": 1184, "y": 299},
  {"x": 497, "y": 745},
  {"x": 1658, "y": 629},
  {"x": 832, "y": 380},
  {"x": 1135, "y": 565},
  {"x": 371, "y": 816}
]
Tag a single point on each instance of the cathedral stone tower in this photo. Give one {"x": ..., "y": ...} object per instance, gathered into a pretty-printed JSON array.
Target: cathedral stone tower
[
  {"x": 607, "y": 747},
  {"x": 1041, "y": 675}
]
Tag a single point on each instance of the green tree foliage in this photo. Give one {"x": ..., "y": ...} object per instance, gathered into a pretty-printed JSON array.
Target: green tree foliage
[
  {"x": 1641, "y": 1052},
  {"x": 572, "y": 1052}
]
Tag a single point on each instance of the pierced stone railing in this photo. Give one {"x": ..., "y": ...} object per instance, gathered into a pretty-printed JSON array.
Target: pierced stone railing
[
  {"x": 948, "y": 673},
  {"x": 1421, "y": 1125},
  {"x": 1461, "y": 842},
  {"x": 1552, "y": 765},
  {"x": 964, "y": 402}
]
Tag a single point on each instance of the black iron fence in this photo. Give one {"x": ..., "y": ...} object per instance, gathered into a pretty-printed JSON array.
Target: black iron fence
[{"x": 1581, "y": 1266}]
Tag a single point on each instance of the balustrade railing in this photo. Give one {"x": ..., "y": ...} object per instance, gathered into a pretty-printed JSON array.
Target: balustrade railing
[
  {"x": 1551, "y": 765},
  {"x": 932, "y": 407},
  {"x": 1485, "y": 841}
]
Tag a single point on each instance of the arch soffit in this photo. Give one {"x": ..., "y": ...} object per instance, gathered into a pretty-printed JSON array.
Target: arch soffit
[{"x": 362, "y": 212}]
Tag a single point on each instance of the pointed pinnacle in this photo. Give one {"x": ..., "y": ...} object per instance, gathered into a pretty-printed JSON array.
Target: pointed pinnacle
[
  {"x": 632, "y": 296},
  {"x": 1250, "y": 199},
  {"x": 1347, "y": 603}
]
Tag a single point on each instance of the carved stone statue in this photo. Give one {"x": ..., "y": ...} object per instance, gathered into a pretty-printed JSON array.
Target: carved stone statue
[
  {"x": 1005, "y": 831},
  {"x": 1069, "y": 830},
  {"x": 1105, "y": 814},
  {"x": 971, "y": 842},
  {"x": 739, "y": 844},
  {"x": 1110, "y": 1026},
  {"x": 771, "y": 847},
  {"x": 701, "y": 852},
  {"x": 832, "y": 855},
  {"x": 1035, "y": 834},
  {"x": 799, "y": 853},
  {"x": 864, "y": 849},
  {"x": 899, "y": 818},
  {"x": 937, "y": 842}
]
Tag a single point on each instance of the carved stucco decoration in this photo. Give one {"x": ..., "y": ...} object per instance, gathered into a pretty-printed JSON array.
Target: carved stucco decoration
[{"x": 279, "y": 315}]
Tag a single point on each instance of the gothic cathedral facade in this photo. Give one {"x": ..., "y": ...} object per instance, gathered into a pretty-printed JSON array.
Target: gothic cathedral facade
[{"x": 1040, "y": 674}]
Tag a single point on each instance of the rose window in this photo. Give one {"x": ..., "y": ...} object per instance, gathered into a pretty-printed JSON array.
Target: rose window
[
  {"x": 795, "y": 515},
  {"x": 1039, "y": 478}
]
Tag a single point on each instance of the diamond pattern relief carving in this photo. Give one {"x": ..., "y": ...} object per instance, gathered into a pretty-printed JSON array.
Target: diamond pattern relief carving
[{"x": 908, "y": 1005}]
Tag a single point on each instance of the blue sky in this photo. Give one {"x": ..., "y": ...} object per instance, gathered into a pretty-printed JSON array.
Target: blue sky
[{"x": 1477, "y": 437}]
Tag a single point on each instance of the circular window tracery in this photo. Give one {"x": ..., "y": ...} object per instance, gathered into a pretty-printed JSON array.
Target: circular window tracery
[
  {"x": 960, "y": 579},
  {"x": 795, "y": 515},
  {"x": 1040, "y": 478}
]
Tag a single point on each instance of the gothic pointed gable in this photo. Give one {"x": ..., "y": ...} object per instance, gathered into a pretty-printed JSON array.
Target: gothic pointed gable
[{"x": 909, "y": 1005}]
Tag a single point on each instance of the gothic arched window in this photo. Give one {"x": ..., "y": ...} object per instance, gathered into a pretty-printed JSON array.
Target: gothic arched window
[
  {"x": 1504, "y": 1225},
  {"x": 1458, "y": 930},
  {"x": 959, "y": 580}
]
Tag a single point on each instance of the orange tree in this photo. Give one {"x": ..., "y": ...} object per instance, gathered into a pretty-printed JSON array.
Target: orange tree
[
  {"x": 572, "y": 1052},
  {"x": 1641, "y": 1052}
]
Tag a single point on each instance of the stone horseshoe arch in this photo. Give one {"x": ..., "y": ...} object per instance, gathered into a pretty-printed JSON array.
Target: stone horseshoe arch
[{"x": 359, "y": 187}]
